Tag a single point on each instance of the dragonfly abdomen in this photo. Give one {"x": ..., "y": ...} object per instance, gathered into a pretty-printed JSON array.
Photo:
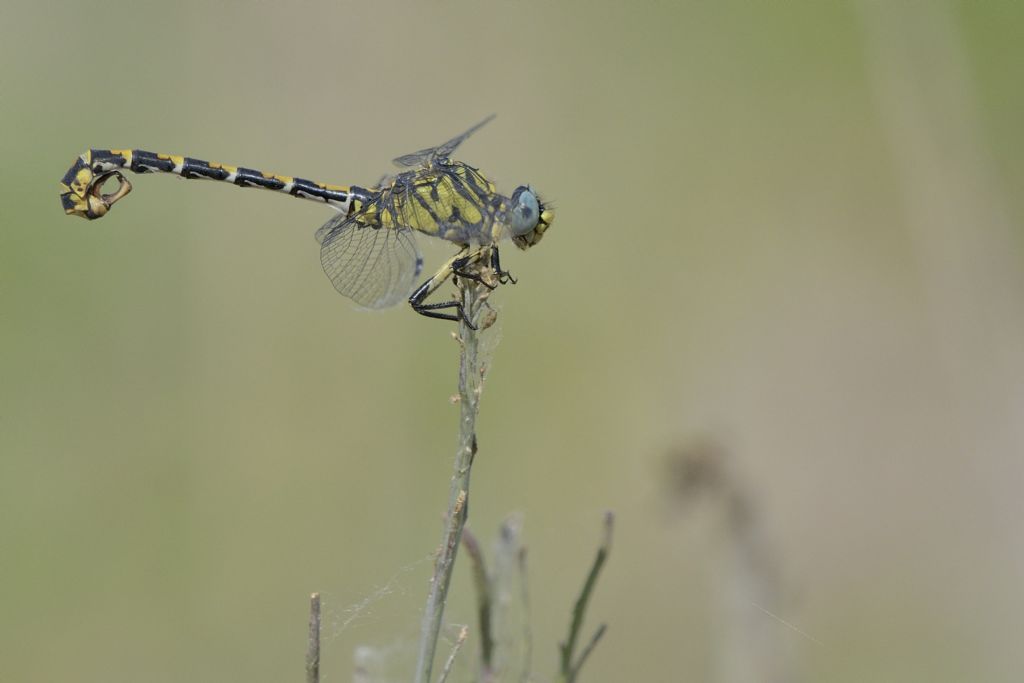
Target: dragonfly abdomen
[{"x": 95, "y": 165}]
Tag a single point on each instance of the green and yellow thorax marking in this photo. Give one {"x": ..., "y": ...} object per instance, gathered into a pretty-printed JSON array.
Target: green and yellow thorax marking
[{"x": 453, "y": 202}]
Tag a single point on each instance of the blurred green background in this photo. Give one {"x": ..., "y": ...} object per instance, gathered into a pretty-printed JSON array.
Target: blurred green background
[{"x": 788, "y": 230}]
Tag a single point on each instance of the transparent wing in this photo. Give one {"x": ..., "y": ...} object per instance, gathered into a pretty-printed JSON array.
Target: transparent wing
[
  {"x": 376, "y": 267},
  {"x": 425, "y": 156}
]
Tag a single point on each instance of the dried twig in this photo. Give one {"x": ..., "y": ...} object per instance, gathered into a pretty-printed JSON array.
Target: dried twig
[
  {"x": 313, "y": 648},
  {"x": 570, "y": 665},
  {"x": 471, "y": 375},
  {"x": 451, "y": 657},
  {"x": 484, "y": 599}
]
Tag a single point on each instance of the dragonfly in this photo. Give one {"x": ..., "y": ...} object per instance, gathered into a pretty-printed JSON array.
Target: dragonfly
[{"x": 368, "y": 249}]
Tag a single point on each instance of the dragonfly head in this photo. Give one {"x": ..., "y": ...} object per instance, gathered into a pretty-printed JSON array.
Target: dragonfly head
[{"x": 529, "y": 217}]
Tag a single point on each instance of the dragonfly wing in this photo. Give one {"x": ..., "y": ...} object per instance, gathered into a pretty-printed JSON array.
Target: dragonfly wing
[
  {"x": 374, "y": 266},
  {"x": 425, "y": 156}
]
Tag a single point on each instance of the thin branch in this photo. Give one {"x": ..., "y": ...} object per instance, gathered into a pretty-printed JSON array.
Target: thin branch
[
  {"x": 313, "y": 648},
  {"x": 474, "y": 296},
  {"x": 451, "y": 657},
  {"x": 527, "y": 633},
  {"x": 594, "y": 639},
  {"x": 484, "y": 598},
  {"x": 570, "y": 666}
]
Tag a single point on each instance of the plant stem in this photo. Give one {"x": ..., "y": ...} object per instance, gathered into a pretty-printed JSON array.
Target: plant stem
[
  {"x": 473, "y": 297},
  {"x": 570, "y": 665},
  {"x": 451, "y": 657},
  {"x": 527, "y": 631},
  {"x": 484, "y": 600},
  {"x": 313, "y": 649}
]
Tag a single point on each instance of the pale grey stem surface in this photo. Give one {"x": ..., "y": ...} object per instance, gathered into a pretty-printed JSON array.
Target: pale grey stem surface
[
  {"x": 313, "y": 648},
  {"x": 451, "y": 657},
  {"x": 527, "y": 664},
  {"x": 470, "y": 384}
]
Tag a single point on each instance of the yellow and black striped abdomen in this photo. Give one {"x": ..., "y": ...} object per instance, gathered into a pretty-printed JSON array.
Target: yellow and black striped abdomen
[{"x": 80, "y": 187}]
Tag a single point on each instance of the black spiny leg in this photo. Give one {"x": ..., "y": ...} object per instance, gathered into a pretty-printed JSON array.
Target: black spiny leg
[
  {"x": 432, "y": 311},
  {"x": 465, "y": 264},
  {"x": 436, "y": 310},
  {"x": 503, "y": 275},
  {"x": 439, "y": 310},
  {"x": 459, "y": 269}
]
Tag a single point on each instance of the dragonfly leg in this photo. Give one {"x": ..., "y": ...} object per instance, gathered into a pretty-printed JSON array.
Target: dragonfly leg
[
  {"x": 443, "y": 309},
  {"x": 460, "y": 268},
  {"x": 503, "y": 275},
  {"x": 431, "y": 311}
]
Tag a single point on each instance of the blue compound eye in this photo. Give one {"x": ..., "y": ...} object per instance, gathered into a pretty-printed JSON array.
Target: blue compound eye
[{"x": 525, "y": 211}]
